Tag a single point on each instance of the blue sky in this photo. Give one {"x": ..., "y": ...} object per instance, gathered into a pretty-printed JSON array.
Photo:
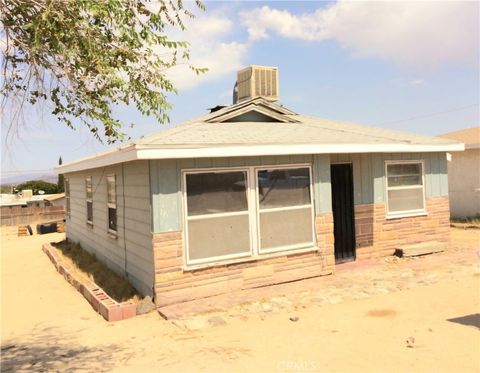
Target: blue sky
[{"x": 410, "y": 66}]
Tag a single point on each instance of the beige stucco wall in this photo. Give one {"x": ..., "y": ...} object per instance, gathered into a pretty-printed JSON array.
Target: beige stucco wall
[{"x": 464, "y": 183}]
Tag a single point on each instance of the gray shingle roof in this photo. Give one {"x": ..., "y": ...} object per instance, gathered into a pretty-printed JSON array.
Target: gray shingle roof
[
  {"x": 297, "y": 129},
  {"x": 281, "y": 131}
]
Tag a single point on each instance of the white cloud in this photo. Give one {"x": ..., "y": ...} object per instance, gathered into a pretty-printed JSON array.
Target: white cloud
[
  {"x": 209, "y": 47},
  {"x": 418, "y": 34},
  {"x": 416, "y": 82},
  {"x": 258, "y": 21}
]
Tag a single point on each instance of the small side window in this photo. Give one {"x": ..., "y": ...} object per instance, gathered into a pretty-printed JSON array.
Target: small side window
[
  {"x": 89, "y": 199},
  {"x": 67, "y": 196},
  {"x": 112, "y": 204},
  {"x": 405, "y": 188}
]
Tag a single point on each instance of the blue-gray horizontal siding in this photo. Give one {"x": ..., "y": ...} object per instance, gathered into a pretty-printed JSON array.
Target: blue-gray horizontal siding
[
  {"x": 166, "y": 183},
  {"x": 369, "y": 173},
  {"x": 323, "y": 192}
]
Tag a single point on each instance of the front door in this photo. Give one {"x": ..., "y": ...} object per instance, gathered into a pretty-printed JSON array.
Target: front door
[{"x": 343, "y": 212}]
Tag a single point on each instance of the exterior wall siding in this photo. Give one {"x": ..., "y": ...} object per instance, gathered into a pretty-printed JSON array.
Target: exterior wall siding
[
  {"x": 464, "y": 183},
  {"x": 130, "y": 253},
  {"x": 166, "y": 184},
  {"x": 369, "y": 174},
  {"x": 322, "y": 186},
  {"x": 157, "y": 259},
  {"x": 174, "y": 285},
  {"x": 377, "y": 236},
  {"x": 369, "y": 171}
]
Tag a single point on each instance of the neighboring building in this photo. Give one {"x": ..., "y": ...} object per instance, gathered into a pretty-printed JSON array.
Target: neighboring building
[
  {"x": 25, "y": 208},
  {"x": 24, "y": 199},
  {"x": 10, "y": 200},
  {"x": 54, "y": 199},
  {"x": 27, "y": 199},
  {"x": 464, "y": 174},
  {"x": 254, "y": 194}
]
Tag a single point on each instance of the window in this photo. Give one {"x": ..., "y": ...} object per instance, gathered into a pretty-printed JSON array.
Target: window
[
  {"x": 217, "y": 216},
  {"x": 89, "y": 199},
  {"x": 405, "y": 188},
  {"x": 284, "y": 209},
  {"x": 247, "y": 212},
  {"x": 112, "y": 204},
  {"x": 67, "y": 196}
]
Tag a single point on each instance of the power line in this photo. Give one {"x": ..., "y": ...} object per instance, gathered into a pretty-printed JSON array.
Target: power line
[
  {"x": 428, "y": 115},
  {"x": 24, "y": 171}
]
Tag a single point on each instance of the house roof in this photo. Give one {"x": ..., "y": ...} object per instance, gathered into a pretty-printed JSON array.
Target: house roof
[
  {"x": 229, "y": 132},
  {"x": 12, "y": 200},
  {"x": 469, "y": 136},
  {"x": 53, "y": 197}
]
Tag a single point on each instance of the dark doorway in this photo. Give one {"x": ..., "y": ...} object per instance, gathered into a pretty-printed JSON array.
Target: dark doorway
[{"x": 343, "y": 212}]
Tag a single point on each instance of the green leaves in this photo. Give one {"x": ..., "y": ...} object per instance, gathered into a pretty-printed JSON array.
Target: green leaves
[
  {"x": 37, "y": 185},
  {"x": 82, "y": 56}
]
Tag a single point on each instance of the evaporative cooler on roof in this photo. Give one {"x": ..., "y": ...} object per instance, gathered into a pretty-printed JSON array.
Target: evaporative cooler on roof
[{"x": 257, "y": 81}]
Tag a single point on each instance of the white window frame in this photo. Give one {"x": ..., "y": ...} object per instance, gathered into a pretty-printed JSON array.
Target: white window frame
[
  {"x": 112, "y": 232},
  {"x": 186, "y": 218},
  {"x": 312, "y": 211},
  {"x": 253, "y": 217},
  {"x": 66, "y": 183},
  {"x": 88, "y": 200},
  {"x": 405, "y": 213}
]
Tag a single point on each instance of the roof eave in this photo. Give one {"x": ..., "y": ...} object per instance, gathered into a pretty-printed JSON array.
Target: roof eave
[
  {"x": 285, "y": 149},
  {"x": 111, "y": 157},
  {"x": 472, "y": 146},
  {"x": 215, "y": 151}
]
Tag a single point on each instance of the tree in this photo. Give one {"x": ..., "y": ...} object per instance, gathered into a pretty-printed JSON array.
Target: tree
[
  {"x": 5, "y": 189},
  {"x": 61, "y": 179},
  {"x": 37, "y": 185},
  {"x": 82, "y": 57}
]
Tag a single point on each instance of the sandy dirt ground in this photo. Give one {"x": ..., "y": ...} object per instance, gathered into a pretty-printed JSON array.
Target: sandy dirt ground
[{"x": 47, "y": 326}]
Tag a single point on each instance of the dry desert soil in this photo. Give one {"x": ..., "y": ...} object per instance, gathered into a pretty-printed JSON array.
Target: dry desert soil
[{"x": 432, "y": 325}]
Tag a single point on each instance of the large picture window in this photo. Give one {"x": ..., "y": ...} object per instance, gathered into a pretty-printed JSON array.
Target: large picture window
[
  {"x": 247, "y": 212},
  {"x": 112, "y": 204},
  {"x": 405, "y": 188}
]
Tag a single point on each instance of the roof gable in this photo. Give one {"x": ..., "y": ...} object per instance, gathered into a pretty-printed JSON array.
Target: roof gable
[
  {"x": 252, "y": 116},
  {"x": 258, "y": 110}
]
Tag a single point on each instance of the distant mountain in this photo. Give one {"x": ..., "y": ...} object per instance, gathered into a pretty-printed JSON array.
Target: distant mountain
[{"x": 50, "y": 177}]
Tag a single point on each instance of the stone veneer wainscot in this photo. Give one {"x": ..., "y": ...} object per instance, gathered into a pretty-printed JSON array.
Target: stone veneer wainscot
[{"x": 174, "y": 283}]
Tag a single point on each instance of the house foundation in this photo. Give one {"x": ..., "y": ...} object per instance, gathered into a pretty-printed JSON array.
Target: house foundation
[{"x": 175, "y": 283}]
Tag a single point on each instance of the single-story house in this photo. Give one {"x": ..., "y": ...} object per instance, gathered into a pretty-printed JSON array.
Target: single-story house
[
  {"x": 254, "y": 194},
  {"x": 464, "y": 174}
]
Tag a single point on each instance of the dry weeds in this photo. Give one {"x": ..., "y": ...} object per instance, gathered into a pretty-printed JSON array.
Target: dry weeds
[{"x": 89, "y": 267}]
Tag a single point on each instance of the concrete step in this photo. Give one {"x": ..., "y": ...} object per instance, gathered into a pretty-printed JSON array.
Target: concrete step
[{"x": 422, "y": 248}]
